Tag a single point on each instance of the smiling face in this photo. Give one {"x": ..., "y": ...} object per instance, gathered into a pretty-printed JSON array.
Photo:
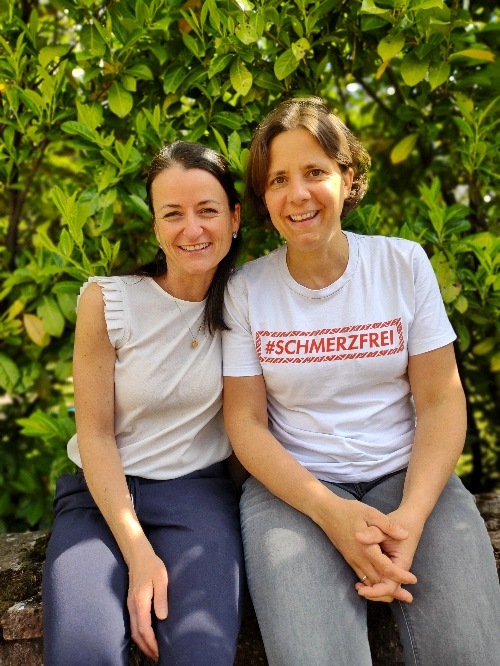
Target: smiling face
[
  {"x": 193, "y": 222},
  {"x": 305, "y": 192}
]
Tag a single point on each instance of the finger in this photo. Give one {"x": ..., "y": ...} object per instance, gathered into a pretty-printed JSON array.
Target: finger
[
  {"x": 139, "y": 605},
  {"x": 388, "y": 569},
  {"x": 383, "y": 592},
  {"x": 371, "y": 535},
  {"x": 388, "y": 526},
  {"x": 160, "y": 602}
]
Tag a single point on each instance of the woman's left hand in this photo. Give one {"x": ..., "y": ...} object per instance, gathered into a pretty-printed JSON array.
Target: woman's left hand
[{"x": 400, "y": 553}]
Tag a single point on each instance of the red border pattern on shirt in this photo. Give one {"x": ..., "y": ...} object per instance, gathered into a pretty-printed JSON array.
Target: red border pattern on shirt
[{"x": 330, "y": 331}]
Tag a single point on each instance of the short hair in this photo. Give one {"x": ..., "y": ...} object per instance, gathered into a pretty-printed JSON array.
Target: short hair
[{"x": 339, "y": 143}]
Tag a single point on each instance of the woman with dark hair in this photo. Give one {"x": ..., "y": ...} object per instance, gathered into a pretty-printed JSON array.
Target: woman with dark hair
[
  {"x": 343, "y": 400},
  {"x": 152, "y": 514}
]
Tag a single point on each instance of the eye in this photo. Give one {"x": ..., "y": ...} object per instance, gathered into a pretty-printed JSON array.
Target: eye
[
  {"x": 316, "y": 172},
  {"x": 209, "y": 211},
  {"x": 279, "y": 180},
  {"x": 173, "y": 214}
]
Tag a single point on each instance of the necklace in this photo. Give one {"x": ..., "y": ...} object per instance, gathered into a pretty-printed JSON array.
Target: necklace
[{"x": 195, "y": 343}]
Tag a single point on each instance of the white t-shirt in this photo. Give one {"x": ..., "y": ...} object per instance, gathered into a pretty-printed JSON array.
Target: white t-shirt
[
  {"x": 335, "y": 359},
  {"x": 168, "y": 396}
]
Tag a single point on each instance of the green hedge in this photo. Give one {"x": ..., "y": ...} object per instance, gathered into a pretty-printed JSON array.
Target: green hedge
[{"x": 89, "y": 91}]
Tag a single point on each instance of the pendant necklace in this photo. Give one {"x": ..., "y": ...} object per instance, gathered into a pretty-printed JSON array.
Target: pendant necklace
[{"x": 195, "y": 343}]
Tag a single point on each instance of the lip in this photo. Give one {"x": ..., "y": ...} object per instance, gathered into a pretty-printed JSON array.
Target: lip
[
  {"x": 197, "y": 248},
  {"x": 306, "y": 221}
]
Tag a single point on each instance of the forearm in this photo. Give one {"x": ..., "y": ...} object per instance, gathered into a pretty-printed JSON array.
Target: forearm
[
  {"x": 439, "y": 440},
  {"x": 269, "y": 462},
  {"x": 107, "y": 484}
]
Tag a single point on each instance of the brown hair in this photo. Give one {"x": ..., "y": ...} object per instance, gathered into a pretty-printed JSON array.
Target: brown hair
[
  {"x": 189, "y": 155},
  {"x": 339, "y": 143}
]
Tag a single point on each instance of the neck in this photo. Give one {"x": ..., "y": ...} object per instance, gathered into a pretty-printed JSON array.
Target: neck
[
  {"x": 193, "y": 288},
  {"x": 319, "y": 268}
]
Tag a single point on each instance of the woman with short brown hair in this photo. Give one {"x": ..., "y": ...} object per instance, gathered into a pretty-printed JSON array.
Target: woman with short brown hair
[{"x": 343, "y": 400}]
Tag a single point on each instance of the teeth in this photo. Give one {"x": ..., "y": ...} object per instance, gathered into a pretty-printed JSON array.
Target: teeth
[
  {"x": 193, "y": 248},
  {"x": 305, "y": 216}
]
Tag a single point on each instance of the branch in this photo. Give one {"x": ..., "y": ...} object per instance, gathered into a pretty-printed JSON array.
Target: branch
[
  {"x": 372, "y": 94},
  {"x": 395, "y": 85},
  {"x": 16, "y": 205}
]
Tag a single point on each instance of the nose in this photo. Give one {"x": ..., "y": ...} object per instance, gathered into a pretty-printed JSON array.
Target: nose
[
  {"x": 192, "y": 227},
  {"x": 298, "y": 192}
]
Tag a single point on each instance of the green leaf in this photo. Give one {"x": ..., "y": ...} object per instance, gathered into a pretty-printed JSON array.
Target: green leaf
[
  {"x": 241, "y": 78},
  {"x": 285, "y": 64},
  {"x": 49, "y": 53},
  {"x": 246, "y": 33},
  {"x": 74, "y": 127},
  {"x": 484, "y": 347},
  {"x": 35, "y": 330},
  {"x": 461, "y": 304},
  {"x": 413, "y": 70},
  {"x": 228, "y": 119},
  {"x": 193, "y": 45},
  {"x": 267, "y": 81},
  {"x": 439, "y": 74},
  {"x": 59, "y": 199},
  {"x": 120, "y": 101},
  {"x": 92, "y": 41},
  {"x": 369, "y": 7},
  {"x": 390, "y": 46},
  {"x": 39, "y": 424},
  {"x": 234, "y": 143},
  {"x": 402, "y": 149},
  {"x": 140, "y": 72},
  {"x": 300, "y": 48},
  {"x": 475, "y": 54},
  {"x": 427, "y": 4},
  {"x": 173, "y": 79},
  {"x": 140, "y": 205},
  {"x": 67, "y": 304},
  {"x": 50, "y": 314},
  {"x": 219, "y": 63},
  {"x": 9, "y": 373}
]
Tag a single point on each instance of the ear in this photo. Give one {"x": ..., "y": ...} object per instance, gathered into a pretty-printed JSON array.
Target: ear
[
  {"x": 236, "y": 218},
  {"x": 348, "y": 177}
]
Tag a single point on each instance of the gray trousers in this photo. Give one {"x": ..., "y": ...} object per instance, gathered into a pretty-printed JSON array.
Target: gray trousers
[{"x": 310, "y": 613}]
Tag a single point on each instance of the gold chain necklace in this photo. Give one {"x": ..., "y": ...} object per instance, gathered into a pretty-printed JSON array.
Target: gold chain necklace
[{"x": 195, "y": 343}]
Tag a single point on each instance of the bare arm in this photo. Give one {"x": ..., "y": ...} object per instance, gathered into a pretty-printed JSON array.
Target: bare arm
[
  {"x": 245, "y": 411},
  {"x": 93, "y": 368},
  {"x": 439, "y": 438}
]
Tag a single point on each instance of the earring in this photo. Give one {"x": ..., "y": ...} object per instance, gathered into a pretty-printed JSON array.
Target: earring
[{"x": 235, "y": 235}]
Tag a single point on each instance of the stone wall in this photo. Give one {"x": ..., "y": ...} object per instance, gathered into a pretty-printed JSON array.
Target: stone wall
[{"x": 21, "y": 634}]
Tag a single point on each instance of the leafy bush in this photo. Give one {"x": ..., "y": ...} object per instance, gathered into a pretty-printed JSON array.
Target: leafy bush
[{"x": 90, "y": 91}]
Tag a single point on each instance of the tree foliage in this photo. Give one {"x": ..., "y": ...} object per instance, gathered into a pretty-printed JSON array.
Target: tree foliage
[{"x": 89, "y": 91}]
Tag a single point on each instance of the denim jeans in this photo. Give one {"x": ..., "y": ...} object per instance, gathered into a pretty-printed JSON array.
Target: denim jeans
[
  {"x": 310, "y": 613},
  {"x": 193, "y": 525}
]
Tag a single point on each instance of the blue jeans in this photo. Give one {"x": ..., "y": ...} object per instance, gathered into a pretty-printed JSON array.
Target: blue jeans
[
  {"x": 193, "y": 525},
  {"x": 303, "y": 590}
]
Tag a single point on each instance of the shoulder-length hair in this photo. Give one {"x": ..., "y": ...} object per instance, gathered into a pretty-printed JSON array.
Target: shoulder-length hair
[
  {"x": 189, "y": 155},
  {"x": 339, "y": 143}
]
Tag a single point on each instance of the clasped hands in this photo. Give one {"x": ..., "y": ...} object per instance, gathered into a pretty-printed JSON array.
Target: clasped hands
[{"x": 377, "y": 547}]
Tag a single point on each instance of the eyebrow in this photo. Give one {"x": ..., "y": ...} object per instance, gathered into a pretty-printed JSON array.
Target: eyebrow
[{"x": 200, "y": 203}]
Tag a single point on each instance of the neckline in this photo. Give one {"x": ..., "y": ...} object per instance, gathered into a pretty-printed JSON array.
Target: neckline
[
  {"x": 331, "y": 288},
  {"x": 174, "y": 298}
]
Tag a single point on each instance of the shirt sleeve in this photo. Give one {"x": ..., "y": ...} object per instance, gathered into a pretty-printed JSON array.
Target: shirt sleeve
[
  {"x": 238, "y": 348},
  {"x": 431, "y": 328},
  {"x": 113, "y": 308}
]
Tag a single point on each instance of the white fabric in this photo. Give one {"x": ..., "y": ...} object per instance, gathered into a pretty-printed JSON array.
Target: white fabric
[
  {"x": 335, "y": 359},
  {"x": 168, "y": 396}
]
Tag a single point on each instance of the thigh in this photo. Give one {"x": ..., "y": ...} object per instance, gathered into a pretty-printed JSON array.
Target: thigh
[
  {"x": 85, "y": 583},
  {"x": 301, "y": 587},
  {"x": 455, "y": 615},
  {"x": 200, "y": 545}
]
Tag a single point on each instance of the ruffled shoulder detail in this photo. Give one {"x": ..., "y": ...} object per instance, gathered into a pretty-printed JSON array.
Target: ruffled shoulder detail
[{"x": 114, "y": 311}]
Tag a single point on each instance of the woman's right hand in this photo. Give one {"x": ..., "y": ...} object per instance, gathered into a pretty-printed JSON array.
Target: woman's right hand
[
  {"x": 366, "y": 559},
  {"x": 148, "y": 581}
]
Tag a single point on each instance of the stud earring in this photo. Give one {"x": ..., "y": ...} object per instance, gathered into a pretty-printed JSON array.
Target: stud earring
[{"x": 235, "y": 235}]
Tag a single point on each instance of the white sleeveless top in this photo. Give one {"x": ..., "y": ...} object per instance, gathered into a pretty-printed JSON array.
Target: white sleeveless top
[{"x": 168, "y": 396}]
